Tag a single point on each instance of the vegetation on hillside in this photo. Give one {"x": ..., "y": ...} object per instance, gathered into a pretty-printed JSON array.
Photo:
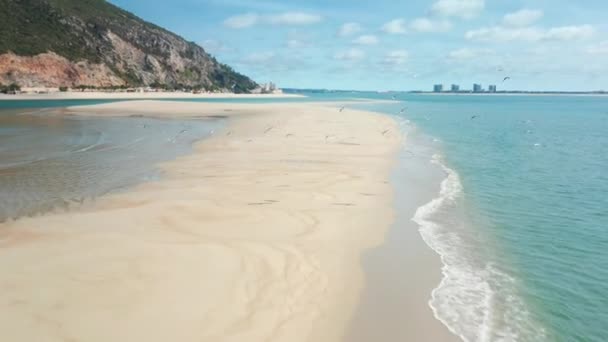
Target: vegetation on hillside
[
  {"x": 77, "y": 30},
  {"x": 9, "y": 89}
]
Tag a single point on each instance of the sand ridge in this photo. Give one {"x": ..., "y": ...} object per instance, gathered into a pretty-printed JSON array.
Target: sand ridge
[{"x": 256, "y": 236}]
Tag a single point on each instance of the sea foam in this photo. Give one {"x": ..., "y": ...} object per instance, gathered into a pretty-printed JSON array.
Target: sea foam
[{"x": 475, "y": 299}]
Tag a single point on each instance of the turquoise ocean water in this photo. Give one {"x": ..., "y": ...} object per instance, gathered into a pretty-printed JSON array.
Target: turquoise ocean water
[{"x": 520, "y": 222}]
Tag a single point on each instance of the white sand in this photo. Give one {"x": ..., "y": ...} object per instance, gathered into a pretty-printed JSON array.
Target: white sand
[
  {"x": 92, "y": 95},
  {"x": 257, "y": 236}
]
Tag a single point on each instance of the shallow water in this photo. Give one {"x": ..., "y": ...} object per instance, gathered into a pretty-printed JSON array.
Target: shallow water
[{"x": 50, "y": 161}]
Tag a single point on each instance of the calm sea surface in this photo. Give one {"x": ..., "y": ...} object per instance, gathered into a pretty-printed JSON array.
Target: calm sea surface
[{"x": 521, "y": 222}]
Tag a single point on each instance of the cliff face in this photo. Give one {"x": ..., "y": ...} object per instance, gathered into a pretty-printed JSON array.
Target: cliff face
[
  {"x": 52, "y": 70},
  {"x": 91, "y": 42}
]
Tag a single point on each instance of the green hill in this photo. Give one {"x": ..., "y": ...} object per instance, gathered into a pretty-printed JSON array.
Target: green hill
[{"x": 101, "y": 44}]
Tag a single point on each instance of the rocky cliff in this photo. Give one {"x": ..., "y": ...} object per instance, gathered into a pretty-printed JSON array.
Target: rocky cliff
[{"x": 52, "y": 43}]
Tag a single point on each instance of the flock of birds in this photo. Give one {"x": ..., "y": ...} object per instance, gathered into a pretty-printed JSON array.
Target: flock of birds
[
  {"x": 174, "y": 138},
  {"x": 473, "y": 117},
  {"x": 341, "y": 109}
]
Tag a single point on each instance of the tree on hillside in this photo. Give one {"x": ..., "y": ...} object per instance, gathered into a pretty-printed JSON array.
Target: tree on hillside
[{"x": 10, "y": 89}]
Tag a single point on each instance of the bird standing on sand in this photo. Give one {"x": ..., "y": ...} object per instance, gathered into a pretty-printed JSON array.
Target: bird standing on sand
[{"x": 341, "y": 109}]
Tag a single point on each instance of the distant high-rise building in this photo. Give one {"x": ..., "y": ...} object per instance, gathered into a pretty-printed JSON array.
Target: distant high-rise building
[
  {"x": 438, "y": 88},
  {"x": 455, "y": 88},
  {"x": 492, "y": 88},
  {"x": 477, "y": 88}
]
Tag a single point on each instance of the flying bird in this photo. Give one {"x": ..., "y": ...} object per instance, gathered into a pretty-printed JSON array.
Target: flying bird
[
  {"x": 473, "y": 117},
  {"x": 506, "y": 78},
  {"x": 403, "y": 110}
]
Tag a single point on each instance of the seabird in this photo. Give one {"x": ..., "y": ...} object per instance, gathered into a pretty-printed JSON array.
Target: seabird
[
  {"x": 341, "y": 109},
  {"x": 506, "y": 78},
  {"x": 403, "y": 110},
  {"x": 473, "y": 117}
]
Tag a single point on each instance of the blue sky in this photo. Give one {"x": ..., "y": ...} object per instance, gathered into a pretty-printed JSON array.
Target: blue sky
[{"x": 398, "y": 44}]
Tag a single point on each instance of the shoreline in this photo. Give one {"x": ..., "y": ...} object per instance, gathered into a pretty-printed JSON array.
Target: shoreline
[
  {"x": 338, "y": 278},
  {"x": 140, "y": 96},
  {"x": 289, "y": 243},
  {"x": 396, "y": 304}
]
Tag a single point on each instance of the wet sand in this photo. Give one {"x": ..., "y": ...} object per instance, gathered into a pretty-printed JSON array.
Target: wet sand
[
  {"x": 401, "y": 272},
  {"x": 256, "y": 236}
]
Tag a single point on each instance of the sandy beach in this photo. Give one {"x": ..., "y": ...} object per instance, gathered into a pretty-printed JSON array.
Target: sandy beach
[
  {"x": 97, "y": 95},
  {"x": 256, "y": 236}
]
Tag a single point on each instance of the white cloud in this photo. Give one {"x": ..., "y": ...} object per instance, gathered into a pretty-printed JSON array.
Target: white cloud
[
  {"x": 349, "y": 29},
  {"x": 396, "y": 26},
  {"x": 465, "y": 9},
  {"x": 570, "y": 32},
  {"x": 468, "y": 54},
  {"x": 396, "y": 58},
  {"x": 350, "y": 55},
  {"x": 530, "y": 34},
  {"x": 367, "y": 39},
  {"x": 599, "y": 48},
  {"x": 522, "y": 18},
  {"x": 294, "y": 18},
  {"x": 428, "y": 25},
  {"x": 287, "y": 18},
  {"x": 297, "y": 44},
  {"x": 242, "y": 21},
  {"x": 464, "y": 53},
  {"x": 501, "y": 34}
]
